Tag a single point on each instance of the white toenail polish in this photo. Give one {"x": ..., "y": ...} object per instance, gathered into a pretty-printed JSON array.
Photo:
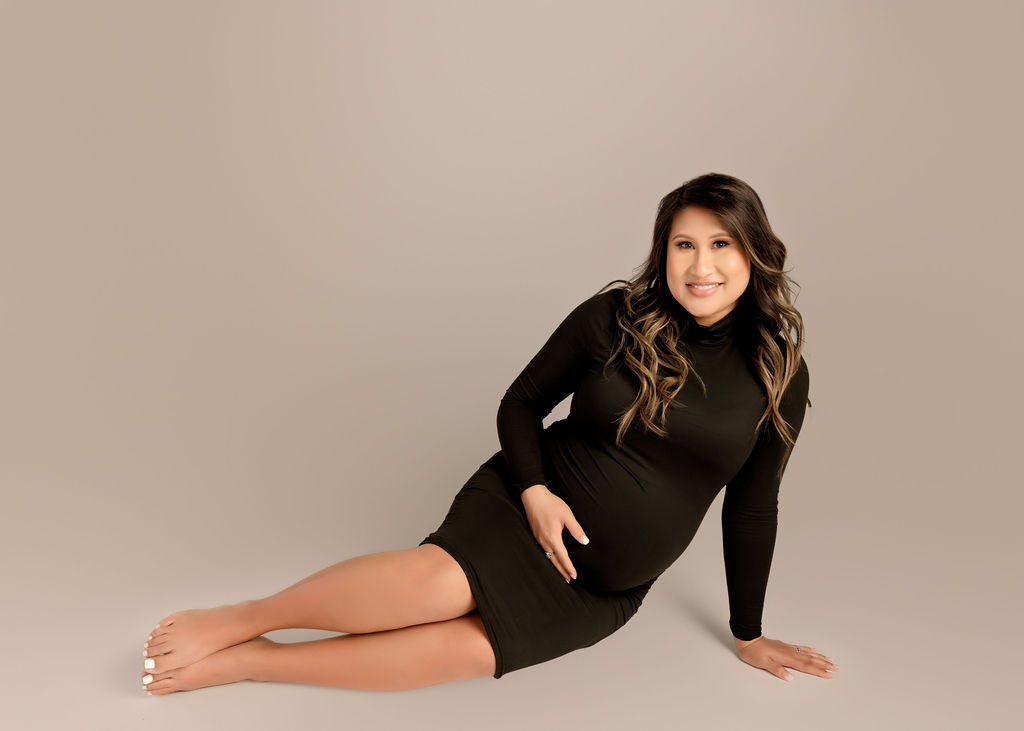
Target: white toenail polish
[
  {"x": 149, "y": 664},
  {"x": 147, "y": 679}
]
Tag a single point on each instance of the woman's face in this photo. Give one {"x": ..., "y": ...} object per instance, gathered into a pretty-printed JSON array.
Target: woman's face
[{"x": 700, "y": 252}]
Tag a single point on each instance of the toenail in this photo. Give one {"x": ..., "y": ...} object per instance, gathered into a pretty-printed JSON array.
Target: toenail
[
  {"x": 147, "y": 679},
  {"x": 149, "y": 664}
]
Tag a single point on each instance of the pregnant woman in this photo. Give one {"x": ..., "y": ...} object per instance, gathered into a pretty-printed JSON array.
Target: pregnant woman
[{"x": 685, "y": 380}]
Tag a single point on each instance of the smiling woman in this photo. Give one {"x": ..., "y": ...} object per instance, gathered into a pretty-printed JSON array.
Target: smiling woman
[
  {"x": 684, "y": 380},
  {"x": 707, "y": 271}
]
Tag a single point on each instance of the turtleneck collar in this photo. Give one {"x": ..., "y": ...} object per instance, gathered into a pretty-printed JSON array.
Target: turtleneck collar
[{"x": 721, "y": 332}]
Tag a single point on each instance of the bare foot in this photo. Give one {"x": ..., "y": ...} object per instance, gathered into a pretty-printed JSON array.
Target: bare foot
[
  {"x": 184, "y": 638},
  {"x": 226, "y": 666}
]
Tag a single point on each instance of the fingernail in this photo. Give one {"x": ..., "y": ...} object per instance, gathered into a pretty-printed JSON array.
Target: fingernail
[
  {"x": 150, "y": 663},
  {"x": 574, "y": 576},
  {"x": 147, "y": 679},
  {"x": 585, "y": 540},
  {"x": 149, "y": 638},
  {"x": 789, "y": 676},
  {"x": 145, "y": 644},
  {"x": 145, "y": 653},
  {"x": 567, "y": 581}
]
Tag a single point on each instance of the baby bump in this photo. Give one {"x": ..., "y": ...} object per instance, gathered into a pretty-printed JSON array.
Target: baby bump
[
  {"x": 629, "y": 543},
  {"x": 636, "y": 530}
]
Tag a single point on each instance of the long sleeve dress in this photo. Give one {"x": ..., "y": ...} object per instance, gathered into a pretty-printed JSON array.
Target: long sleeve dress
[{"x": 639, "y": 504}]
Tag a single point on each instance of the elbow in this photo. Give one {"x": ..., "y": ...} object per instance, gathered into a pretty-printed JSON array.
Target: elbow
[{"x": 512, "y": 403}]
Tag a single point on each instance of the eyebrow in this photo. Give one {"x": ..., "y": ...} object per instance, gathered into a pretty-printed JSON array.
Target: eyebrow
[{"x": 719, "y": 235}]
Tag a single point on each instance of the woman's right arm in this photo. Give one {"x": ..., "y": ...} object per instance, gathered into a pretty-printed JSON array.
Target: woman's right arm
[{"x": 551, "y": 375}]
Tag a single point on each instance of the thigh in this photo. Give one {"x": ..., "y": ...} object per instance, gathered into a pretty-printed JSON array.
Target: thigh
[
  {"x": 464, "y": 649},
  {"x": 437, "y": 583}
]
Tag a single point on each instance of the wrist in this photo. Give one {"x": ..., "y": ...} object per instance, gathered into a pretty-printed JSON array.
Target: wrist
[
  {"x": 740, "y": 644},
  {"x": 533, "y": 490}
]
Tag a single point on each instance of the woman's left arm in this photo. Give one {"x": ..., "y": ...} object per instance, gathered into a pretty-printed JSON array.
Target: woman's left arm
[{"x": 749, "y": 524}]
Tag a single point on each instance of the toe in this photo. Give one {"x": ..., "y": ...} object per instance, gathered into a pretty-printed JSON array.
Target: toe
[
  {"x": 157, "y": 647},
  {"x": 151, "y": 681},
  {"x": 162, "y": 687},
  {"x": 168, "y": 620},
  {"x": 162, "y": 663}
]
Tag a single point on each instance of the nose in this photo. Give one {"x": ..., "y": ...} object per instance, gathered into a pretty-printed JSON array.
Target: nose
[{"x": 703, "y": 264}]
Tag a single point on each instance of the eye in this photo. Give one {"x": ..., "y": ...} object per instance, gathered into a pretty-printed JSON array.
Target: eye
[{"x": 687, "y": 244}]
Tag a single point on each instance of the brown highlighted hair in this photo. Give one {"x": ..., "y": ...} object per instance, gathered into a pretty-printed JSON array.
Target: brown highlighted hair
[{"x": 650, "y": 325}]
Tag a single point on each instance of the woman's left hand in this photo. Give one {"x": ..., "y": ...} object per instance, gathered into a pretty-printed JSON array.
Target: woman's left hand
[{"x": 775, "y": 656}]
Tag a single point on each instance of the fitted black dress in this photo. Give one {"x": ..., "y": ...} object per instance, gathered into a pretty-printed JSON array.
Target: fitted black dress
[{"x": 640, "y": 504}]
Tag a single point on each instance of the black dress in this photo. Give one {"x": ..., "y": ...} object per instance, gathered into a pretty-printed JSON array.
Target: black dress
[{"x": 640, "y": 504}]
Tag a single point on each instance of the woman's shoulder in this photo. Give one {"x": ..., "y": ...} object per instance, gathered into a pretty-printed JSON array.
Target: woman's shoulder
[
  {"x": 595, "y": 318},
  {"x": 602, "y": 306}
]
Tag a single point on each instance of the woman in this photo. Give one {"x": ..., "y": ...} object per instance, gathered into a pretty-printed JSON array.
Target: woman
[{"x": 687, "y": 378}]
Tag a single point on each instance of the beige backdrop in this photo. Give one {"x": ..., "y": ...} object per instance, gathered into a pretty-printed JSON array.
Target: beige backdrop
[{"x": 267, "y": 269}]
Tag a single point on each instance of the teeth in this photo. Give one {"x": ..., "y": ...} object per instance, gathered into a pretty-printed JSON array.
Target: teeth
[{"x": 703, "y": 286}]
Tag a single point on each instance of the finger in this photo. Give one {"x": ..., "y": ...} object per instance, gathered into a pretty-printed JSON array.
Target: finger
[
  {"x": 825, "y": 667},
  {"x": 562, "y": 556},
  {"x": 819, "y": 667},
  {"x": 554, "y": 562},
  {"x": 810, "y": 653},
  {"x": 576, "y": 530},
  {"x": 779, "y": 670}
]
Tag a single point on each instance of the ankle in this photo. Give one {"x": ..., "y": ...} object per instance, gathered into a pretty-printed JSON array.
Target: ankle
[
  {"x": 252, "y": 617},
  {"x": 255, "y": 659}
]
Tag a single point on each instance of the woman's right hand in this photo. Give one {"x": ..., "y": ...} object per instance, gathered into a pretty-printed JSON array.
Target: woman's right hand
[{"x": 548, "y": 515}]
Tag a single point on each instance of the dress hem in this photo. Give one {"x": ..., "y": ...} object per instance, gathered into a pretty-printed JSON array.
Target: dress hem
[{"x": 479, "y": 596}]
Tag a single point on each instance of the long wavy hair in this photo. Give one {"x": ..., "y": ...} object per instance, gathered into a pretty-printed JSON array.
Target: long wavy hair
[{"x": 651, "y": 322}]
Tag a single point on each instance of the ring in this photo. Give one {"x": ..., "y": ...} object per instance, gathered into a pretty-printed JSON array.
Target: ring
[
  {"x": 798, "y": 648},
  {"x": 549, "y": 554}
]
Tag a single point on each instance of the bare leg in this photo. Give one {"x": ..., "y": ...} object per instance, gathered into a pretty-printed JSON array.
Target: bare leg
[
  {"x": 398, "y": 659},
  {"x": 371, "y": 593}
]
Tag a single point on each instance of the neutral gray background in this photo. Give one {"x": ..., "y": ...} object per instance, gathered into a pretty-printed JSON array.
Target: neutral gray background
[{"x": 267, "y": 269}]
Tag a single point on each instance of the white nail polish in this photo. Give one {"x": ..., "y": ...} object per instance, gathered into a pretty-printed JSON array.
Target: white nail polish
[
  {"x": 150, "y": 663},
  {"x": 145, "y": 644},
  {"x": 147, "y": 679},
  {"x": 145, "y": 654},
  {"x": 149, "y": 638}
]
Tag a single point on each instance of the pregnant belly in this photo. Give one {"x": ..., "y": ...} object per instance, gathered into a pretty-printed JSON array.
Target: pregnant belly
[{"x": 636, "y": 531}]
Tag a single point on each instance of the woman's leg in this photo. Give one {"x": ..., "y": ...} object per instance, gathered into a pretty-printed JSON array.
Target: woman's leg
[
  {"x": 398, "y": 659},
  {"x": 371, "y": 593}
]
